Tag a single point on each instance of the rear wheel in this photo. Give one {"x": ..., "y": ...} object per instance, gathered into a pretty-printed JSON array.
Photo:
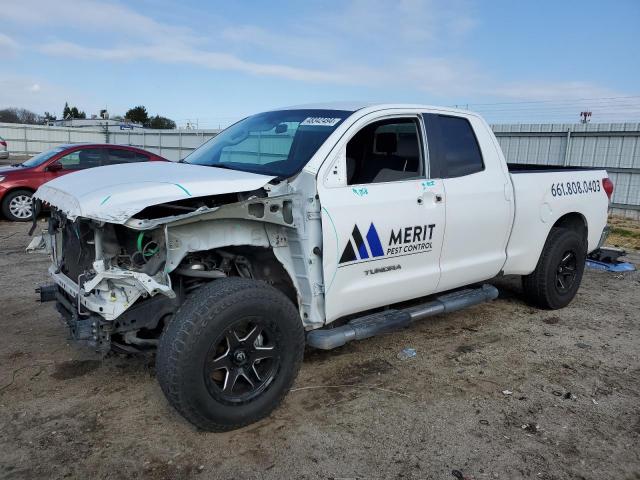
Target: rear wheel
[
  {"x": 557, "y": 277},
  {"x": 230, "y": 354},
  {"x": 17, "y": 206}
]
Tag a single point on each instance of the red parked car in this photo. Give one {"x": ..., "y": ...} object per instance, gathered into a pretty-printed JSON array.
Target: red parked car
[{"x": 19, "y": 181}]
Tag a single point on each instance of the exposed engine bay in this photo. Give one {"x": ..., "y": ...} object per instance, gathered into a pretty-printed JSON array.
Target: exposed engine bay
[{"x": 117, "y": 285}]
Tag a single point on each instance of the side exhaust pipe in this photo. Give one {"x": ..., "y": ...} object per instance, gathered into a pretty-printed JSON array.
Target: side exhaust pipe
[{"x": 391, "y": 320}]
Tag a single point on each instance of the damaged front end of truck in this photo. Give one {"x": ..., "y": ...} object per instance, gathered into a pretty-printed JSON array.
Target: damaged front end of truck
[{"x": 120, "y": 271}]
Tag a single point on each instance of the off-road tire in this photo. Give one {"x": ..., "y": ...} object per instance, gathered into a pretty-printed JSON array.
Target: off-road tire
[
  {"x": 6, "y": 205},
  {"x": 188, "y": 338},
  {"x": 540, "y": 287}
]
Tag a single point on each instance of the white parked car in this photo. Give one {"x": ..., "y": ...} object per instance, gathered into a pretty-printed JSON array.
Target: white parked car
[
  {"x": 4, "y": 151},
  {"x": 317, "y": 225}
]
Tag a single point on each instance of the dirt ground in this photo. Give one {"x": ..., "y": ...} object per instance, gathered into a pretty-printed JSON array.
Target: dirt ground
[
  {"x": 573, "y": 410},
  {"x": 625, "y": 232}
]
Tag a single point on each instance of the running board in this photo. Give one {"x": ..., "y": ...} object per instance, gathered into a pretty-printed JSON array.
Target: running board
[{"x": 391, "y": 320}]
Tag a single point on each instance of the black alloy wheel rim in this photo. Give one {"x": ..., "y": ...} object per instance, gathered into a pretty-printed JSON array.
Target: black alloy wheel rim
[
  {"x": 243, "y": 361},
  {"x": 566, "y": 272}
]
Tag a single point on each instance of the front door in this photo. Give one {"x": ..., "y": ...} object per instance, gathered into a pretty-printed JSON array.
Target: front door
[
  {"x": 383, "y": 227},
  {"x": 76, "y": 160}
]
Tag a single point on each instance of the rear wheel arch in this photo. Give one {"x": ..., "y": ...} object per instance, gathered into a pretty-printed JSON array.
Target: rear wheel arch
[
  {"x": 573, "y": 221},
  {"x": 558, "y": 273}
]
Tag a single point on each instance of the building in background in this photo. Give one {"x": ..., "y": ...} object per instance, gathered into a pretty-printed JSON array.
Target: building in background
[{"x": 111, "y": 125}]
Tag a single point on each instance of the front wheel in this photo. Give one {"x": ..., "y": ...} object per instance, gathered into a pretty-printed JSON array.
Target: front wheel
[
  {"x": 17, "y": 206},
  {"x": 557, "y": 277},
  {"x": 230, "y": 354}
]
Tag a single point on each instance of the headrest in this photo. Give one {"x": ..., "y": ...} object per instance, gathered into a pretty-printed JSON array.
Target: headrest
[
  {"x": 386, "y": 142},
  {"x": 407, "y": 146}
]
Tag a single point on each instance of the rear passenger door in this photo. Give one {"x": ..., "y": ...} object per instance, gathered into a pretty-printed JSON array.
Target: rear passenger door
[
  {"x": 477, "y": 198},
  {"x": 382, "y": 218}
]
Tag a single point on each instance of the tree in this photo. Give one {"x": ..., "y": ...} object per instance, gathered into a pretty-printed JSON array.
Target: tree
[
  {"x": 19, "y": 115},
  {"x": 72, "y": 112},
  {"x": 137, "y": 115},
  {"x": 9, "y": 115},
  {"x": 163, "y": 123},
  {"x": 75, "y": 113},
  {"x": 48, "y": 117}
]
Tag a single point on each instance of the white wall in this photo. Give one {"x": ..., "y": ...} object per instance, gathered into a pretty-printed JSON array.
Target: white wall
[
  {"x": 171, "y": 144},
  {"x": 615, "y": 147}
]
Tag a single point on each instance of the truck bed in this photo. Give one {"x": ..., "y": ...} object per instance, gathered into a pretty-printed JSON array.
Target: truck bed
[{"x": 543, "y": 195}]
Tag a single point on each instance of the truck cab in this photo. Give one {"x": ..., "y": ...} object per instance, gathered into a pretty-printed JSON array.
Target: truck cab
[{"x": 420, "y": 183}]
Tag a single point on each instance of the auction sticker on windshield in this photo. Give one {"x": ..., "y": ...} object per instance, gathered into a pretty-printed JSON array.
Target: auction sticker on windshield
[{"x": 320, "y": 121}]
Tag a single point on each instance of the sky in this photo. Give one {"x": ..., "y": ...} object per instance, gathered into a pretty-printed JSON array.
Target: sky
[{"x": 213, "y": 62}]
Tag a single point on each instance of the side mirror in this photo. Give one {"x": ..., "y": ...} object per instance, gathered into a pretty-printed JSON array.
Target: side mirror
[
  {"x": 282, "y": 128},
  {"x": 54, "y": 167}
]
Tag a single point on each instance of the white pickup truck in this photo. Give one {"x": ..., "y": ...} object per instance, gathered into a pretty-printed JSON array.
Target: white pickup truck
[{"x": 312, "y": 225}]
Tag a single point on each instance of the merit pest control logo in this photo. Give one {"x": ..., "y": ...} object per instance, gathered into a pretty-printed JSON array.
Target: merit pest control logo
[
  {"x": 372, "y": 247},
  {"x": 402, "y": 241}
]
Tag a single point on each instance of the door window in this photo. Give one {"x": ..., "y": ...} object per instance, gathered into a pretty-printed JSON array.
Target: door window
[
  {"x": 457, "y": 152},
  {"x": 117, "y": 155},
  {"x": 385, "y": 151},
  {"x": 81, "y": 159}
]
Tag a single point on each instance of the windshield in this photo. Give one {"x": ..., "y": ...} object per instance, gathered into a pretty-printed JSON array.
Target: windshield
[
  {"x": 276, "y": 143},
  {"x": 40, "y": 158}
]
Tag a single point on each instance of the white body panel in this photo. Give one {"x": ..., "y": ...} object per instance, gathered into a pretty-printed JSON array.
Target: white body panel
[
  {"x": 117, "y": 192},
  {"x": 382, "y": 216},
  {"x": 537, "y": 209}
]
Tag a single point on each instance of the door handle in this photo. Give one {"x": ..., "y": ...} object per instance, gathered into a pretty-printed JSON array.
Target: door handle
[{"x": 420, "y": 200}]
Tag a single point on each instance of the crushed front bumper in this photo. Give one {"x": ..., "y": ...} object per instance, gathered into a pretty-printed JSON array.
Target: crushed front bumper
[
  {"x": 109, "y": 303},
  {"x": 110, "y": 292},
  {"x": 94, "y": 331}
]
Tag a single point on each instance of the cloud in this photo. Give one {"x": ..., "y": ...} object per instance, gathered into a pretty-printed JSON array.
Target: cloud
[
  {"x": 553, "y": 90},
  {"x": 91, "y": 16},
  {"x": 193, "y": 56},
  {"x": 396, "y": 46},
  {"x": 8, "y": 45},
  {"x": 34, "y": 93},
  {"x": 297, "y": 44},
  {"x": 321, "y": 47},
  {"x": 39, "y": 94}
]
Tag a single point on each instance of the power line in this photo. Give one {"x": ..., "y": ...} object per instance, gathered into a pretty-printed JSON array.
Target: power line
[{"x": 554, "y": 101}]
